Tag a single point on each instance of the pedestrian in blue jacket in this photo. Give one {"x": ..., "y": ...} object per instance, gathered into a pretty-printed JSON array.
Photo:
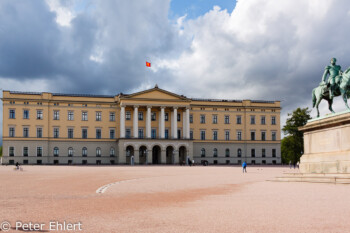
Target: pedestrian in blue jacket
[{"x": 244, "y": 165}]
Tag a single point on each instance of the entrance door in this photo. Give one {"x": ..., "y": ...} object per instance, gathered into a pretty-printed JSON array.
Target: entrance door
[
  {"x": 129, "y": 154},
  {"x": 169, "y": 155},
  {"x": 156, "y": 155},
  {"x": 143, "y": 155},
  {"x": 182, "y": 154}
]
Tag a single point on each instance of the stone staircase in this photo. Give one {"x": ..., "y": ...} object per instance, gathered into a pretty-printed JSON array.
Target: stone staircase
[{"x": 334, "y": 178}]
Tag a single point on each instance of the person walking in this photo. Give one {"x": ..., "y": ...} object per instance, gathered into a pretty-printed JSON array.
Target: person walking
[{"x": 244, "y": 165}]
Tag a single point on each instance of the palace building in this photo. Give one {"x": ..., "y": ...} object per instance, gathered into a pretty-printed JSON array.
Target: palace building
[{"x": 153, "y": 126}]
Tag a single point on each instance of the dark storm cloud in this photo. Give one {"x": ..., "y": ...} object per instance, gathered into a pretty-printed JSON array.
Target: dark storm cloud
[{"x": 120, "y": 35}]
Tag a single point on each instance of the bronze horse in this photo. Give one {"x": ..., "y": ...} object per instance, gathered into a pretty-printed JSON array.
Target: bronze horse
[{"x": 322, "y": 92}]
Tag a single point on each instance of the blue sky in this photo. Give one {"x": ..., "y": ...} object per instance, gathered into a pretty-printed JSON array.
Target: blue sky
[{"x": 195, "y": 8}]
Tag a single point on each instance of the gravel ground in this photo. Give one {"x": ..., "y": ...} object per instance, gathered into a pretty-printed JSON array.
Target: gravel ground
[{"x": 170, "y": 199}]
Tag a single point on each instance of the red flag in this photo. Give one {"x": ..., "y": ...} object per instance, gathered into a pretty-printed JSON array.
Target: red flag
[{"x": 148, "y": 64}]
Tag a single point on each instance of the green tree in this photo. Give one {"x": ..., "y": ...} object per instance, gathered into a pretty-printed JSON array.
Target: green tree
[
  {"x": 292, "y": 145},
  {"x": 0, "y": 151}
]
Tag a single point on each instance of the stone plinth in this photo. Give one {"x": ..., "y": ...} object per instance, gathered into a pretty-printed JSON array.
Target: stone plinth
[{"x": 327, "y": 144}]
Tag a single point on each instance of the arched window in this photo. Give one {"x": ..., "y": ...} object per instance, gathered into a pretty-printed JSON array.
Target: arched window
[
  {"x": 98, "y": 152},
  {"x": 202, "y": 152},
  {"x": 215, "y": 152},
  {"x": 84, "y": 152},
  {"x": 227, "y": 152},
  {"x": 70, "y": 152},
  {"x": 239, "y": 152},
  {"x": 112, "y": 152},
  {"x": 56, "y": 152}
]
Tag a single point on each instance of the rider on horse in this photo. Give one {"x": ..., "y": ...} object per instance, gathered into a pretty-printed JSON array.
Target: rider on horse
[{"x": 334, "y": 71}]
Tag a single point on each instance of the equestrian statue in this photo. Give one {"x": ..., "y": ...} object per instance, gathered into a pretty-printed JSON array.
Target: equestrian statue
[{"x": 338, "y": 84}]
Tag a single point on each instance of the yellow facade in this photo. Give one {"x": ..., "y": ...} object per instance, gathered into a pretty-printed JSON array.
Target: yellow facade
[{"x": 65, "y": 113}]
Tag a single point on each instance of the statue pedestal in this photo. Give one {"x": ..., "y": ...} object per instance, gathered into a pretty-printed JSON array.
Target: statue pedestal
[{"x": 327, "y": 144}]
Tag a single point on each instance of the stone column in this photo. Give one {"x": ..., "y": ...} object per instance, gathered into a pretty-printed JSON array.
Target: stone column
[
  {"x": 149, "y": 156},
  {"x": 163, "y": 156},
  {"x": 122, "y": 122},
  {"x": 187, "y": 134},
  {"x": 184, "y": 125},
  {"x": 176, "y": 157},
  {"x": 136, "y": 122},
  {"x": 162, "y": 123},
  {"x": 122, "y": 155},
  {"x": 174, "y": 126},
  {"x": 136, "y": 157},
  {"x": 148, "y": 122}
]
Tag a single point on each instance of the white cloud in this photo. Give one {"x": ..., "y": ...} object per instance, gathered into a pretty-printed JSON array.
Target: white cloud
[
  {"x": 64, "y": 14},
  {"x": 262, "y": 50}
]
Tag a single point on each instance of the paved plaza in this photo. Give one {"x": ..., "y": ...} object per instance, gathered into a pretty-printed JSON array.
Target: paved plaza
[{"x": 170, "y": 199}]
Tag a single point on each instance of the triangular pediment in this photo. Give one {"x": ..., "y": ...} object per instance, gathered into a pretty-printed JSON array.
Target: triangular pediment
[{"x": 155, "y": 93}]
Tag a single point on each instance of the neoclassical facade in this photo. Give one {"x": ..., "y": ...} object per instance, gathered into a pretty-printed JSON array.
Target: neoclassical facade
[{"x": 153, "y": 126}]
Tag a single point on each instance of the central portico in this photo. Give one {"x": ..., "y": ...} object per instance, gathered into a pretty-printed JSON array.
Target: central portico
[{"x": 154, "y": 128}]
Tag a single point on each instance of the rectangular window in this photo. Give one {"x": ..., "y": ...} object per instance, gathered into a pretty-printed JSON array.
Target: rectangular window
[
  {"x": 25, "y": 114},
  {"x": 215, "y": 135},
  {"x": 12, "y": 114},
  {"x": 70, "y": 133},
  {"x": 84, "y": 116},
  {"x": 202, "y": 134},
  {"x": 238, "y": 120},
  {"x": 98, "y": 116},
  {"x": 178, "y": 117},
  {"x": 111, "y": 133},
  {"x": 153, "y": 116},
  {"x": 252, "y": 135},
  {"x": 227, "y": 135},
  {"x": 191, "y": 134},
  {"x": 112, "y": 116},
  {"x": 191, "y": 118},
  {"x": 56, "y": 132},
  {"x": 273, "y": 136},
  {"x": 140, "y": 116},
  {"x": 84, "y": 133},
  {"x": 11, "y": 151},
  {"x": 39, "y": 114},
  {"x": 263, "y": 136},
  {"x": 239, "y": 135},
  {"x": 140, "y": 133},
  {"x": 202, "y": 120},
  {"x": 128, "y": 116},
  {"x": 128, "y": 133},
  {"x": 166, "y": 116},
  {"x": 252, "y": 120},
  {"x": 12, "y": 132},
  {"x": 273, "y": 120},
  {"x": 215, "y": 119},
  {"x": 25, "y": 132},
  {"x": 262, "y": 120},
  {"x": 70, "y": 115},
  {"x": 227, "y": 119},
  {"x": 98, "y": 133},
  {"x": 253, "y": 153},
  {"x": 273, "y": 152},
  {"x": 263, "y": 153},
  {"x": 25, "y": 151},
  {"x": 39, "y": 132},
  {"x": 154, "y": 133},
  {"x": 166, "y": 134},
  {"x": 56, "y": 115},
  {"x": 179, "y": 133},
  {"x": 39, "y": 151}
]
